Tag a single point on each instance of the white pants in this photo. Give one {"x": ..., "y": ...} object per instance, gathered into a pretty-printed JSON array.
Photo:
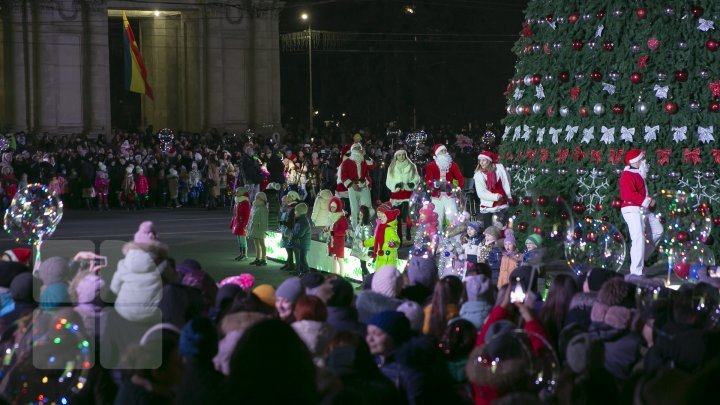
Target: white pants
[
  {"x": 445, "y": 207},
  {"x": 638, "y": 221},
  {"x": 357, "y": 199}
]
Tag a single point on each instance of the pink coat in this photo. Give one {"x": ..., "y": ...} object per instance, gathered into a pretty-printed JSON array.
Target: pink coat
[{"x": 141, "y": 185}]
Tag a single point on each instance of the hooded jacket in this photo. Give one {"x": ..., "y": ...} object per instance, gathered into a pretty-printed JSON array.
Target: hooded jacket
[
  {"x": 320, "y": 215},
  {"x": 137, "y": 283}
]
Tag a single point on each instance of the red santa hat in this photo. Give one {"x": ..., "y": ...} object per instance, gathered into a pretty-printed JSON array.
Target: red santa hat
[
  {"x": 488, "y": 155},
  {"x": 356, "y": 145},
  {"x": 19, "y": 255},
  {"x": 438, "y": 148},
  {"x": 338, "y": 204},
  {"x": 634, "y": 156}
]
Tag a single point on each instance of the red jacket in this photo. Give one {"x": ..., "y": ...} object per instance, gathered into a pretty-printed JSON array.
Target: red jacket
[
  {"x": 351, "y": 174},
  {"x": 141, "y": 185},
  {"x": 632, "y": 189},
  {"x": 241, "y": 218},
  {"x": 432, "y": 173}
]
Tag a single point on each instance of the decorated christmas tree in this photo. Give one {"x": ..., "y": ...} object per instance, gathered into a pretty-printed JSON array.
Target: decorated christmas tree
[{"x": 595, "y": 79}]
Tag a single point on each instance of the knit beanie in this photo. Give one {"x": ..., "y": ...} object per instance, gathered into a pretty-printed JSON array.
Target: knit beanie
[
  {"x": 597, "y": 277},
  {"x": 422, "y": 270},
  {"x": 414, "y": 313},
  {"x": 54, "y": 270},
  {"x": 535, "y": 239},
  {"x": 53, "y": 296},
  {"x": 290, "y": 289},
  {"x": 394, "y": 323},
  {"x": 385, "y": 281},
  {"x": 145, "y": 233},
  {"x": 493, "y": 231},
  {"x": 301, "y": 209},
  {"x": 88, "y": 288},
  {"x": 199, "y": 340},
  {"x": 509, "y": 237},
  {"x": 21, "y": 287},
  {"x": 266, "y": 293},
  {"x": 475, "y": 226},
  {"x": 312, "y": 280},
  {"x": 342, "y": 293},
  {"x": 476, "y": 286}
]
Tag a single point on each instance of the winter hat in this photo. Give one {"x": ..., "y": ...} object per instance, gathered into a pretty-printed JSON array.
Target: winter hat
[
  {"x": 53, "y": 296},
  {"x": 21, "y": 287},
  {"x": 355, "y": 145},
  {"x": 20, "y": 255},
  {"x": 139, "y": 170},
  {"x": 616, "y": 292},
  {"x": 339, "y": 205},
  {"x": 476, "y": 286},
  {"x": 199, "y": 339},
  {"x": 494, "y": 231},
  {"x": 88, "y": 288},
  {"x": 414, "y": 313},
  {"x": 266, "y": 293},
  {"x": 394, "y": 323},
  {"x": 437, "y": 148},
  {"x": 312, "y": 280},
  {"x": 385, "y": 280},
  {"x": 633, "y": 156},
  {"x": 290, "y": 289},
  {"x": 499, "y": 328},
  {"x": 301, "y": 209},
  {"x": 597, "y": 277},
  {"x": 342, "y": 293},
  {"x": 241, "y": 191},
  {"x": 400, "y": 151},
  {"x": 54, "y": 270},
  {"x": 390, "y": 213},
  {"x": 422, "y": 270},
  {"x": 145, "y": 233},
  {"x": 535, "y": 239},
  {"x": 487, "y": 155},
  {"x": 476, "y": 226},
  {"x": 261, "y": 196},
  {"x": 293, "y": 196},
  {"x": 458, "y": 339},
  {"x": 509, "y": 236},
  {"x": 129, "y": 169},
  {"x": 102, "y": 167}
]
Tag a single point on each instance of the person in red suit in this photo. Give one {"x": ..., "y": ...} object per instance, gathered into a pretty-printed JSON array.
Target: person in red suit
[
  {"x": 355, "y": 175},
  {"x": 635, "y": 210},
  {"x": 441, "y": 175},
  {"x": 241, "y": 216},
  {"x": 340, "y": 189},
  {"x": 336, "y": 230},
  {"x": 492, "y": 185}
]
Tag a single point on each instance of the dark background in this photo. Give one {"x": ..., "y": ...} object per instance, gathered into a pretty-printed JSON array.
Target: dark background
[{"x": 448, "y": 63}]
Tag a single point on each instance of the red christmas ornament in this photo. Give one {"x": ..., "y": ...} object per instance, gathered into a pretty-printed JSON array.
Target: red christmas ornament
[
  {"x": 671, "y": 107},
  {"x": 662, "y": 220},
  {"x": 653, "y": 43},
  {"x": 528, "y": 49},
  {"x": 578, "y": 207},
  {"x": 577, "y": 235},
  {"x": 547, "y": 214},
  {"x": 605, "y": 218},
  {"x": 641, "y": 13},
  {"x": 712, "y": 45},
  {"x": 592, "y": 237},
  {"x": 542, "y": 200},
  {"x": 534, "y": 213},
  {"x": 682, "y": 237},
  {"x": 600, "y": 14},
  {"x": 716, "y": 221},
  {"x": 682, "y": 270},
  {"x": 595, "y": 76},
  {"x": 522, "y": 226},
  {"x": 714, "y": 106},
  {"x": 697, "y": 11},
  {"x": 551, "y": 111},
  {"x": 527, "y": 201},
  {"x": 538, "y": 230},
  {"x": 608, "y": 45},
  {"x": 681, "y": 75},
  {"x": 577, "y": 44},
  {"x": 583, "y": 111},
  {"x": 618, "y": 109},
  {"x": 573, "y": 18},
  {"x": 617, "y": 203},
  {"x": 563, "y": 76},
  {"x": 598, "y": 207},
  {"x": 564, "y": 215},
  {"x": 635, "y": 78},
  {"x": 559, "y": 199},
  {"x": 617, "y": 236},
  {"x": 549, "y": 18},
  {"x": 536, "y": 79},
  {"x": 526, "y": 109}
]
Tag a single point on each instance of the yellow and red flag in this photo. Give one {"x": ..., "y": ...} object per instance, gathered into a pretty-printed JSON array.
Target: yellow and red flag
[{"x": 135, "y": 72}]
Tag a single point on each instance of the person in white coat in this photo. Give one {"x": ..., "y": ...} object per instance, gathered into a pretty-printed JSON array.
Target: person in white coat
[
  {"x": 402, "y": 178},
  {"x": 492, "y": 184}
]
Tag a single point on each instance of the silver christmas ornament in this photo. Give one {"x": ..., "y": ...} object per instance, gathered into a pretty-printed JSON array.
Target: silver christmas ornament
[
  {"x": 531, "y": 170},
  {"x": 510, "y": 110},
  {"x": 599, "y": 109},
  {"x": 519, "y": 109},
  {"x": 669, "y": 11},
  {"x": 618, "y": 171},
  {"x": 579, "y": 76},
  {"x": 704, "y": 74},
  {"x": 528, "y": 80},
  {"x": 592, "y": 45},
  {"x": 515, "y": 166},
  {"x": 617, "y": 13},
  {"x": 540, "y": 21},
  {"x": 614, "y": 75},
  {"x": 564, "y": 111},
  {"x": 674, "y": 175},
  {"x": 600, "y": 173},
  {"x": 560, "y": 20},
  {"x": 682, "y": 45},
  {"x": 557, "y": 46},
  {"x": 653, "y": 177},
  {"x": 537, "y": 108},
  {"x": 548, "y": 78},
  {"x": 544, "y": 170},
  {"x": 694, "y": 105},
  {"x": 587, "y": 17},
  {"x": 562, "y": 172},
  {"x": 709, "y": 175},
  {"x": 581, "y": 172},
  {"x": 661, "y": 76},
  {"x": 642, "y": 108},
  {"x": 635, "y": 48},
  {"x": 536, "y": 48}
]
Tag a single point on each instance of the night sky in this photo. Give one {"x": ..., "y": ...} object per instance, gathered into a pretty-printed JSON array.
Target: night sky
[{"x": 447, "y": 63}]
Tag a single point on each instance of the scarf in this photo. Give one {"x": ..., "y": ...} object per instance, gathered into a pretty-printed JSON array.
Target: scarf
[
  {"x": 490, "y": 179},
  {"x": 380, "y": 235}
]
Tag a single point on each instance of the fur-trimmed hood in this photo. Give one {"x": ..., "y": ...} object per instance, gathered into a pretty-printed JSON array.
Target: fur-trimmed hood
[
  {"x": 158, "y": 250},
  {"x": 583, "y": 300},
  {"x": 240, "y": 321},
  {"x": 614, "y": 316}
]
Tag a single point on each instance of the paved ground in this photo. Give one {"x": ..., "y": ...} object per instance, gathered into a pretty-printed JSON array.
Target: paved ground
[{"x": 191, "y": 233}]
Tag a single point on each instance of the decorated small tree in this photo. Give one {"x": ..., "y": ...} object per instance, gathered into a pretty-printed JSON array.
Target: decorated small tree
[{"x": 594, "y": 79}]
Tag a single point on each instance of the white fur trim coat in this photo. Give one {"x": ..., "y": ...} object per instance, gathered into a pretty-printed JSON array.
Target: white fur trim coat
[{"x": 487, "y": 198}]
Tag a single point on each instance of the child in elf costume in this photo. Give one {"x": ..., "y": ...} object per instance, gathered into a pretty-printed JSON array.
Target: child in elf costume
[
  {"x": 471, "y": 247},
  {"x": 336, "y": 228},
  {"x": 241, "y": 216},
  {"x": 385, "y": 242}
]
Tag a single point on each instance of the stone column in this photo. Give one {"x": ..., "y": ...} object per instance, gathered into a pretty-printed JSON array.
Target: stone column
[
  {"x": 18, "y": 81},
  {"x": 158, "y": 46},
  {"x": 266, "y": 67},
  {"x": 96, "y": 68}
]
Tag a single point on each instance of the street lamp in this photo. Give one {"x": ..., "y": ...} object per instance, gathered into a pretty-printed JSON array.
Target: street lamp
[{"x": 306, "y": 17}]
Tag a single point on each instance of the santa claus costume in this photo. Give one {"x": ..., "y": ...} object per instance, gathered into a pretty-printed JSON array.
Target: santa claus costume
[
  {"x": 440, "y": 174},
  {"x": 492, "y": 184},
  {"x": 402, "y": 178},
  {"x": 355, "y": 175},
  {"x": 385, "y": 241},
  {"x": 340, "y": 189},
  {"x": 635, "y": 210},
  {"x": 336, "y": 229}
]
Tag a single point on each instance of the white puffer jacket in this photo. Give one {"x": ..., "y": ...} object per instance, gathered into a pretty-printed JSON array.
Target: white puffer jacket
[{"x": 138, "y": 285}]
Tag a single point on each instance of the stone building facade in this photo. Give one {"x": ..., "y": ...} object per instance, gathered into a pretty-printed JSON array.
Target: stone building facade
[{"x": 210, "y": 64}]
